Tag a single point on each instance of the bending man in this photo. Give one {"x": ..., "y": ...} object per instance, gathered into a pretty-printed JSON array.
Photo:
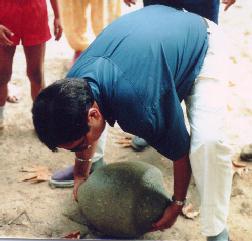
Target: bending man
[{"x": 137, "y": 72}]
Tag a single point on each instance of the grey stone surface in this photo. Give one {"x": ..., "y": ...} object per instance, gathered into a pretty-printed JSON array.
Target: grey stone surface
[{"x": 123, "y": 199}]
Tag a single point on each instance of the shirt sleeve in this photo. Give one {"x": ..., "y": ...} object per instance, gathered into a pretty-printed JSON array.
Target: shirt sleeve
[{"x": 174, "y": 142}]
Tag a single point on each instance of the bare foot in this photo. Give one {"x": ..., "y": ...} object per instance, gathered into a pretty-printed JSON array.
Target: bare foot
[{"x": 13, "y": 94}]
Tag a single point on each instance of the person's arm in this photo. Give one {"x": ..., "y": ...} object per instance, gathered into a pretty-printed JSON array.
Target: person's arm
[
  {"x": 82, "y": 166},
  {"x": 228, "y": 3},
  {"x": 5, "y": 33},
  {"x": 182, "y": 175},
  {"x": 129, "y": 2},
  {"x": 57, "y": 24}
]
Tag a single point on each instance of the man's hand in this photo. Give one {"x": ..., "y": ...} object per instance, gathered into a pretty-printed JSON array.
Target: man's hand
[
  {"x": 57, "y": 29},
  {"x": 81, "y": 173},
  {"x": 228, "y": 3},
  {"x": 182, "y": 174},
  {"x": 129, "y": 2},
  {"x": 169, "y": 217},
  {"x": 5, "y": 33},
  {"x": 77, "y": 182}
]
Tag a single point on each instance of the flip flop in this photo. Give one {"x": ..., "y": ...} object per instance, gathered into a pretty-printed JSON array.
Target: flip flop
[
  {"x": 138, "y": 143},
  {"x": 65, "y": 178}
]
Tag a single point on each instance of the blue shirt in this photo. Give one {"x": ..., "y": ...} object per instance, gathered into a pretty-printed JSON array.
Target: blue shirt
[{"x": 141, "y": 67}]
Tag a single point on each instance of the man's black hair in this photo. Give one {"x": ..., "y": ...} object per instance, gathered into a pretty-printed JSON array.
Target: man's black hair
[{"x": 60, "y": 111}]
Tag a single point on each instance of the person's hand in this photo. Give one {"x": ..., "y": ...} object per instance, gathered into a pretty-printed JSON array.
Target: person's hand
[
  {"x": 57, "y": 29},
  {"x": 129, "y": 2},
  {"x": 77, "y": 182},
  {"x": 81, "y": 173},
  {"x": 5, "y": 33},
  {"x": 168, "y": 219},
  {"x": 228, "y": 3}
]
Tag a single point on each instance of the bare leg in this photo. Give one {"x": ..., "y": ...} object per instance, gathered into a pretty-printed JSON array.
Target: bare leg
[
  {"x": 35, "y": 67},
  {"x": 6, "y": 60}
]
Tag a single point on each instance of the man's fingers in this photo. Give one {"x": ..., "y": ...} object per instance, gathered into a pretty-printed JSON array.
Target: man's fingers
[
  {"x": 75, "y": 195},
  {"x": 5, "y": 40},
  {"x": 4, "y": 36},
  {"x": 161, "y": 222},
  {"x": 7, "y": 31},
  {"x": 58, "y": 33},
  {"x": 156, "y": 229}
]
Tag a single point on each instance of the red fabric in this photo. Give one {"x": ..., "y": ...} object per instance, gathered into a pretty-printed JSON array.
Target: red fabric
[{"x": 27, "y": 19}]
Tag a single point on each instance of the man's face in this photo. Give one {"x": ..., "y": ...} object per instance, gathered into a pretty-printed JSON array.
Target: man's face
[
  {"x": 96, "y": 125},
  {"x": 86, "y": 141},
  {"x": 79, "y": 145}
]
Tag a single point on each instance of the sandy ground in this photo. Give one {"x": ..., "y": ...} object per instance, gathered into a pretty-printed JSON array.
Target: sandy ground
[{"x": 46, "y": 208}]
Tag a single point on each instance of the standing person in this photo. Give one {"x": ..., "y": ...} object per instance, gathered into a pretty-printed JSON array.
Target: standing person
[
  {"x": 138, "y": 77},
  {"x": 206, "y": 8},
  {"x": 75, "y": 18},
  {"x": 24, "y": 21}
]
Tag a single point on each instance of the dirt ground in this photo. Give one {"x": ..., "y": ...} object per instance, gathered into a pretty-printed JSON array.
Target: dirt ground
[{"x": 38, "y": 211}]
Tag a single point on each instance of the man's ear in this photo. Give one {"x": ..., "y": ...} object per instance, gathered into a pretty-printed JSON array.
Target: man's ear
[{"x": 94, "y": 116}]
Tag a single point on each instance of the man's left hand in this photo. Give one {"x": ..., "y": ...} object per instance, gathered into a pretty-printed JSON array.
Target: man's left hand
[{"x": 168, "y": 219}]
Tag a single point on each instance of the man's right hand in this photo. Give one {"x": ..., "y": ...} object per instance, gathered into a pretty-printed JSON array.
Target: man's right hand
[
  {"x": 5, "y": 33},
  {"x": 81, "y": 173},
  {"x": 77, "y": 182}
]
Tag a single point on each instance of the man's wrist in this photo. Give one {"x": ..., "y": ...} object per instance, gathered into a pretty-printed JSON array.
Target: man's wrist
[
  {"x": 82, "y": 160},
  {"x": 82, "y": 167},
  {"x": 179, "y": 202}
]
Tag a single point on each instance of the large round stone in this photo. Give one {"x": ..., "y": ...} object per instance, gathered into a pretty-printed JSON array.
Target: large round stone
[{"x": 123, "y": 199}]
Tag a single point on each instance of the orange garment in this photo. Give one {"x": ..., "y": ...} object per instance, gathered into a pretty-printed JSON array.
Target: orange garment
[{"x": 75, "y": 17}]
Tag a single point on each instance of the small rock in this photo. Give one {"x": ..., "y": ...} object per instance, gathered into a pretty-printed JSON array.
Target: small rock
[{"x": 246, "y": 153}]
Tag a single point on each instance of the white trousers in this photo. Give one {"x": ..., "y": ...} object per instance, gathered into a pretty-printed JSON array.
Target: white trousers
[{"x": 210, "y": 156}]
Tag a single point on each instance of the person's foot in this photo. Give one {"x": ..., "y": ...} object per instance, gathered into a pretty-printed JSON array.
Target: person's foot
[
  {"x": 223, "y": 236},
  {"x": 65, "y": 178},
  {"x": 13, "y": 94},
  {"x": 246, "y": 153},
  {"x": 138, "y": 144}
]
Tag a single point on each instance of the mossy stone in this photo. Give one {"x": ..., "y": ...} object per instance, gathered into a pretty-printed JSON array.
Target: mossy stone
[{"x": 123, "y": 199}]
